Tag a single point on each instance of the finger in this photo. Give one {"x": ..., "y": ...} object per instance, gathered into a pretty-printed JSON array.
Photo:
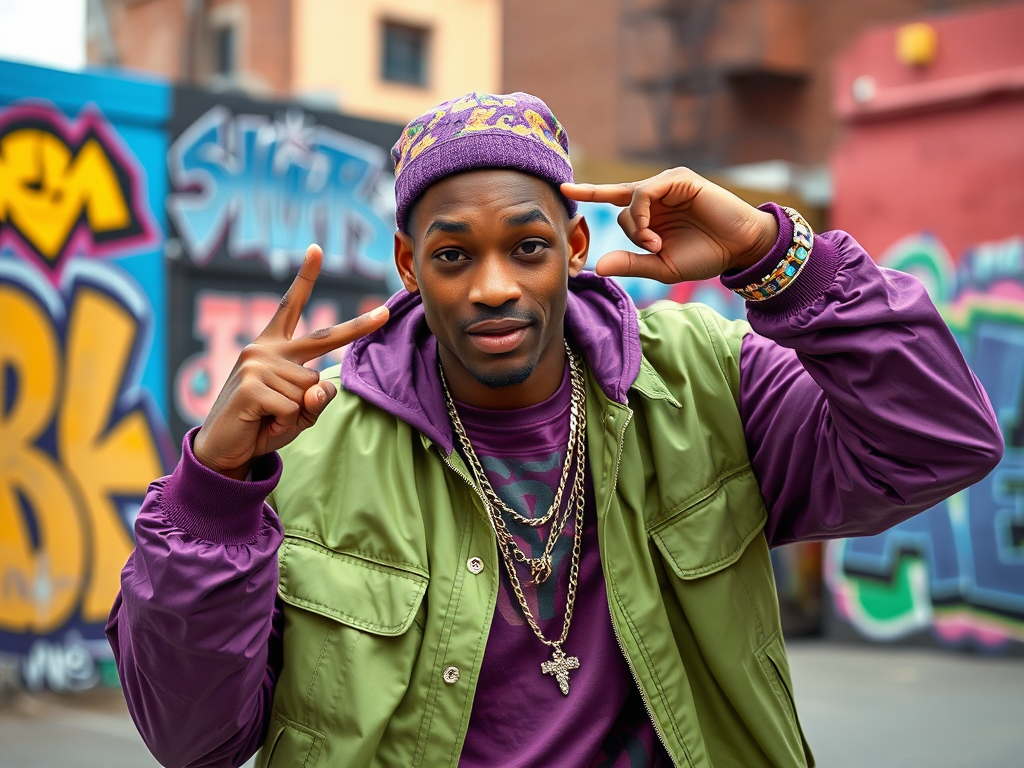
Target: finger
[
  {"x": 640, "y": 206},
  {"x": 616, "y": 194},
  {"x": 284, "y": 423},
  {"x": 282, "y": 324},
  {"x": 646, "y": 239},
  {"x": 279, "y": 412},
  {"x": 627, "y": 264},
  {"x": 672, "y": 189},
  {"x": 292, "y": 381},
  {"x": 318, "y": 343},
  {"x": 316, "y": 399},
  {"x": 292, "y": 419}
]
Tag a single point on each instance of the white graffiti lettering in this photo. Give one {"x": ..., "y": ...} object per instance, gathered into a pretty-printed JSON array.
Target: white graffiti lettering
[{"x": 272, "y": 187}]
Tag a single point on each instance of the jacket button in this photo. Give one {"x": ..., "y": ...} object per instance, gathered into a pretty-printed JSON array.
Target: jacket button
[
  {"x": 475, "y": 565},
  {"x": 451, "y": 675}
]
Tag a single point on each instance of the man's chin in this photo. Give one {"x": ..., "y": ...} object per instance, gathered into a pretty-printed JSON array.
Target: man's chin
[{"x": 503, "y": 378}]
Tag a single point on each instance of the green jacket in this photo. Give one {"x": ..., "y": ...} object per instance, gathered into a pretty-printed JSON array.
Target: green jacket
[{"x": 379, "y": 523}]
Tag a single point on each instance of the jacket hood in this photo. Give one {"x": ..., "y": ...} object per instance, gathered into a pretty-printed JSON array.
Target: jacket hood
[{"x": 395, "y": 367}]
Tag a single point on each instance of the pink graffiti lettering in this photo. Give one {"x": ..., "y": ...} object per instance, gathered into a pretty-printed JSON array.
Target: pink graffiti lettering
[{"x": 225, "y": 323}]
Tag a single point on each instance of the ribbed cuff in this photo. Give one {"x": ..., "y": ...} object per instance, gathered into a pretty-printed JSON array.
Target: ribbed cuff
[
  {"x": 810, "y": 285},
  {"x": 209, "y": 506}
]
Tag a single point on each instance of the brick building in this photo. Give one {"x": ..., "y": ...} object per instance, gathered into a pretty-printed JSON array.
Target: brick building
[
  {"x": 706, "y": 83},
  {"x": 382, "y": 59},
  {"x": 738, "y": 87}
]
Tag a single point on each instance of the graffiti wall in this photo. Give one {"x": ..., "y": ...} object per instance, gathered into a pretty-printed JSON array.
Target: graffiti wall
[
  {"x": 82, "y": 356},
  {"x": 252, "y": 184},
  {"x": 956, "y": 571},
  {"x": 146, "y": 235}
]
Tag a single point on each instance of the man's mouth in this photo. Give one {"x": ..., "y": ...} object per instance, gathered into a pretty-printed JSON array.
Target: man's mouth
[
  {"x": 497, "y": 326},
  {"x": 499, "y": 335}
]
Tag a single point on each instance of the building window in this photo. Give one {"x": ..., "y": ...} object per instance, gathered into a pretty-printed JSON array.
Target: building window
[
  {"x": 405, "y": 54},
  {"x": 224, "y": 51}
]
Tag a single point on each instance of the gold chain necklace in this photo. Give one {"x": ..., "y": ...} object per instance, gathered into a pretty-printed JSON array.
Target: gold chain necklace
[
  {"x": 536, "y": 522},
  {"x": 560, "y": 664},
  {"x": 540, "y": 567}
]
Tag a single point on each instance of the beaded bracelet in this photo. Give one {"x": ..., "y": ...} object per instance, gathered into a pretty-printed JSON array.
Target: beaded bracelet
[{"x": 780, "y": 278}]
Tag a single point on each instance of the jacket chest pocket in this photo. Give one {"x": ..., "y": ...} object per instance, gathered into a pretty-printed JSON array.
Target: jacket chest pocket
[
  {"x": 712, "y": 532},
  {"x": 717, "y": 565},
  {"x": 355, "y": 590},
  {"x": 351, "y": 639}
]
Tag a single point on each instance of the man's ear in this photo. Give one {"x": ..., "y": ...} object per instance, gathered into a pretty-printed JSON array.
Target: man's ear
[
  {"x": 579, "y": 244},
  {"x": 404, "y": 260}
]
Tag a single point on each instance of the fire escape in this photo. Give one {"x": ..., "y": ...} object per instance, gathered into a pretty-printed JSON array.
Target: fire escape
[{"x": 690, "y": 67}]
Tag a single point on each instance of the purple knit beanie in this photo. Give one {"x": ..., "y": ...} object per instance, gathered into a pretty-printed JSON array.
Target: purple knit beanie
[{"x": 479, "y": 130}]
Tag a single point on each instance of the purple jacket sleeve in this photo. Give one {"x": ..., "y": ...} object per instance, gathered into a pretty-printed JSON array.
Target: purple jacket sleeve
[
  {"x": 859, "y": 410},
  {"x": 196, "y": 632}
]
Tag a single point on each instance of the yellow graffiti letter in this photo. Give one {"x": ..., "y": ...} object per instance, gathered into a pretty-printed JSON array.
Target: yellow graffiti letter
[
  {"x": 44, "y": 189},
  {"x": 41, "y": 565},
  {"x": 106, "y": 460}
]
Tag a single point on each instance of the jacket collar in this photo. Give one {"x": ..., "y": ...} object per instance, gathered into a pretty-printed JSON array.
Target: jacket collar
[{"x": 395, "y": 367}]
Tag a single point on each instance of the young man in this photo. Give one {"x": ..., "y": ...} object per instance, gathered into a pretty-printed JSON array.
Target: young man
[{"x": 532, "y": 528}]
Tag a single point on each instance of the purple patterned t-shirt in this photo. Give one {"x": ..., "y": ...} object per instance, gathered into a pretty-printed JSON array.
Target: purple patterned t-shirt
[{"x": 520, "y": 717}]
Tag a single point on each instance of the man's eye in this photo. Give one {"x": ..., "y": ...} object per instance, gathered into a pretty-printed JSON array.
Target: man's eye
[
  {"x": 530, "y": 247},
  {"x": 450, "y": 256}
]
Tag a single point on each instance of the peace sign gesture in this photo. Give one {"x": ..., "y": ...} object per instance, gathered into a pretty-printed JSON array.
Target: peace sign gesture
[{"x": 270, "y": 397}]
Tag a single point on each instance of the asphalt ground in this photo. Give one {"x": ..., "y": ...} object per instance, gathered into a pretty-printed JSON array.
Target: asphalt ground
[
  {"x": 860, "y": 706},
  {"x": 882, "y": 706}
]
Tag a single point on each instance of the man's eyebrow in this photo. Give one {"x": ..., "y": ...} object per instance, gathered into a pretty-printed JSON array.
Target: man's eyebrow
[
  {"x": 527, "y": 217},
  {"x": 449, "y": 226}
]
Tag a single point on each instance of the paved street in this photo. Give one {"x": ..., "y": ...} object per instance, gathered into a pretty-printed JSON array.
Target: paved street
[
  {"x": 869, "y": 706},
  {"x": 90, "y": 730},
  {"x": 861, "y": 706}
]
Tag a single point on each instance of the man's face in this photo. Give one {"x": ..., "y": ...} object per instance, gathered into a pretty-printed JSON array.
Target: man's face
[{"x": 491, "y": 252}]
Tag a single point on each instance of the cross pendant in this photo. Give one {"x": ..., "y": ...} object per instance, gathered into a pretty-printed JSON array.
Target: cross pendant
[{"x": 559, "y": 667}]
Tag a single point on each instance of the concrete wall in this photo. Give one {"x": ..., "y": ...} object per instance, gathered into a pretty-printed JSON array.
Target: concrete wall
[
  {"x": 326, "y": 52},
  {"x": 569, "y": 55},
  {"x": 160, "y": 36}
]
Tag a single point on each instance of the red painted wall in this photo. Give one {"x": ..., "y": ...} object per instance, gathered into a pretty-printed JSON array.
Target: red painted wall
[{"x": 938, "y": 149}]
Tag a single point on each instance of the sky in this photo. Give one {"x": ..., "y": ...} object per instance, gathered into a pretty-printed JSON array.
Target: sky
[{"x": 46, "y": 32}]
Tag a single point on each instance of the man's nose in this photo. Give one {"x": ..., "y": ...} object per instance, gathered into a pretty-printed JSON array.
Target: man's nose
[{"x": 495, "y": 283}]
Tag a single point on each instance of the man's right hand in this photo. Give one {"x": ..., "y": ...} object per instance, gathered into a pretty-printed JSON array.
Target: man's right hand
[{"x": 270, "y": 397}]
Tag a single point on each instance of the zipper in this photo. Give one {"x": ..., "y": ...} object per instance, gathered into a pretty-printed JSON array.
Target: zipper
[
  {"x": 615, "y": 628},
  {"x": 640, "y": 688},
  {"x": 451, "y": 465}
]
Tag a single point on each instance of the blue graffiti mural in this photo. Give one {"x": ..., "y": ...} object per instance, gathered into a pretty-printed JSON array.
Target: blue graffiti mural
[
  {"x": 82, "y": 356},
  {"x": 958, "y": 568},
  {"x": 270, "y": 187}
]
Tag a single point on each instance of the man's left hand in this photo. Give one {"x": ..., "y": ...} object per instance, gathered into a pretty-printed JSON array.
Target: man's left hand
[{"x": 692, "y": 228}]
